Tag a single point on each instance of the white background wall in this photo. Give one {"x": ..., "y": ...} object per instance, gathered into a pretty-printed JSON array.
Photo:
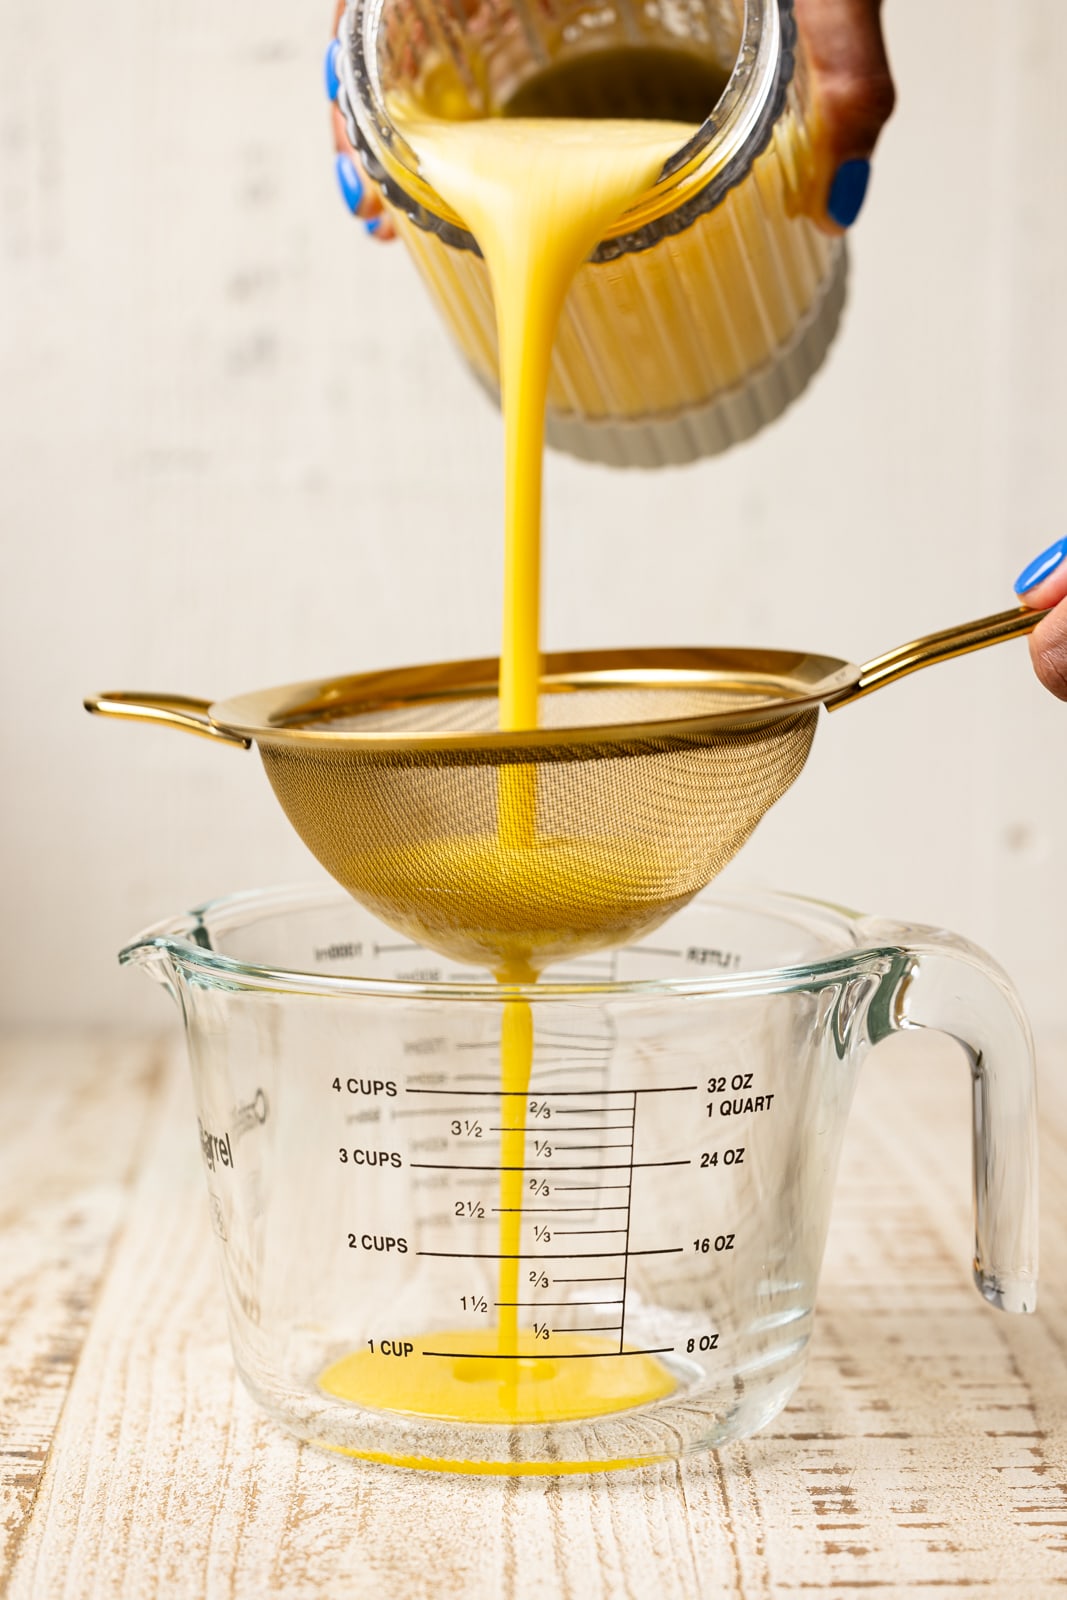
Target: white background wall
[{"x": 237, "y": 449}]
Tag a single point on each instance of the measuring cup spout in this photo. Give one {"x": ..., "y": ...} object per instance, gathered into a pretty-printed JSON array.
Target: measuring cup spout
[
  {"x": 945, "y": 983},
  {"x": 155, "y": 955}
]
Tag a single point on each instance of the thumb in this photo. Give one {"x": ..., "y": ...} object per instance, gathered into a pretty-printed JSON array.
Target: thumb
[
  {"x": 853, "y": 93},
  {"x": 1044, "y": 583}
]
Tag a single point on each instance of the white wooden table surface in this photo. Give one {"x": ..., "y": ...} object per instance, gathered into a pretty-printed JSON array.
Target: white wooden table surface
[{"x": 926, "y": 1449}]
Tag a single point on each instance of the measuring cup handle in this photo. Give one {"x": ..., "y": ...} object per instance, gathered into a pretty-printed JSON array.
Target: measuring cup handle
[{"x": 951, "y": 986}]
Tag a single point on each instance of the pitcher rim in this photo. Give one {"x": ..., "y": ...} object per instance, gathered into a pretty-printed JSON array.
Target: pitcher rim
[
  {"x": 182, "y": 938},
  {"x": 739, "y": 127}
]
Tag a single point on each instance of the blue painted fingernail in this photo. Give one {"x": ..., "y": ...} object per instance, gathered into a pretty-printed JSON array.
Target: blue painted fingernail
[
  {"x": 372, "y": 224},
  {"x": 333, "y": 77},
  {"x": 350, "y": 183},
  {"x": 1041, "y": 567},
  {"x": 847, "y": 192}
]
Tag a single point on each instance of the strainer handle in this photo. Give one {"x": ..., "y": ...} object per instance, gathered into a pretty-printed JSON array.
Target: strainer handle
[
  {"x": 935, "y": 647},
  {"x": 172, "y": 710},
  {"x": 946, "y": 984}
]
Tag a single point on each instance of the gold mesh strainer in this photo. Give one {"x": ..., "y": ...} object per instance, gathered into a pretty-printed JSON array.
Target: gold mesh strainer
[{"x": 648, "y": 771}]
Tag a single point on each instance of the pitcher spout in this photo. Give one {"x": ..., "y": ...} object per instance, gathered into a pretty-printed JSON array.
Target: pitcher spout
[{"x": 154, "y": 953}]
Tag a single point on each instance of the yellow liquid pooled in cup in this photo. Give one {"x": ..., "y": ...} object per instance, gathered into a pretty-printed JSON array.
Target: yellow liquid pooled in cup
[
  {"x": 472, "y": 1388},
  {"x": 538, "y": 195}
]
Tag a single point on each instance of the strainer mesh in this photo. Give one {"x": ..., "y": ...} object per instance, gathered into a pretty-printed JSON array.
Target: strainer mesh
[{"x": 513, "y": 858}]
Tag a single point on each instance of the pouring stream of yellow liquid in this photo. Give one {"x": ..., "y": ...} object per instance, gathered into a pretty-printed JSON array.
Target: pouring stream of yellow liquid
[{"x": 537, "y": 194}]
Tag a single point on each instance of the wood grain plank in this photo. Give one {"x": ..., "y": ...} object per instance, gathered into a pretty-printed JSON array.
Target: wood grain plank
[
  {"x": 71, "y": 1112},
  {"x": 927, "y": 1448}
]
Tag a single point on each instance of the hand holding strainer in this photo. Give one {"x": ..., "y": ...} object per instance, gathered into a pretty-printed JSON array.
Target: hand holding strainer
[{"x": 512, "y": 850}]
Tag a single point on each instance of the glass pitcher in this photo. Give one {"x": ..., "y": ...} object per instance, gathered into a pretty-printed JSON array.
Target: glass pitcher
[
  {"x": 714, "y": 299},
  {"x": 615, "y": 1264}
]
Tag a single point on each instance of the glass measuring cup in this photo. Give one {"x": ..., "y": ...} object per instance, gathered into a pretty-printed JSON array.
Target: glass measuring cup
[
  {"x": 669, "y": 1197},
  {"x": 714, "y": 299}
]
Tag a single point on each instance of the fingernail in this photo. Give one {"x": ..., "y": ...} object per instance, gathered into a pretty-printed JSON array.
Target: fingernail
[
  {"x": 372, "y": 224},
  {"x": 1041, "y": 567},
  {"x": 333, "y": 77},
  {"x": 350, "y": 183},
  {"x": 847, "y": 192}
]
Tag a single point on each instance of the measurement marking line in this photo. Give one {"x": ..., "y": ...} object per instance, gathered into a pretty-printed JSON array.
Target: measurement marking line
[
  {"x": 560, "y": 1166},
  {"x": 624, "y": 1146},
  {"x": 598, "y": 1127},
  {"x": 568, "y": 1060},
  {"x": 569, "y": 972},
  {"x": 556, "y": 1038},
  {"x": 576, "y": 1052},
  {"x": 572, "y": 1233},
  {"x": 616, "y": 1279},
  {"x": 668, "y": 1088},
  {"x": 437, "y": 1166},
  {"x": 559, "y": 1094},
  {"x": 539, "y": 1211},
  {"x": 555, "y": 1355},
  {"x": 591, "y": 1065},
  {"x": 417, "y": 1111},
  {"x": 603, "y": 1327},
  {"x": 588, "y": 966},
  {"x": 439, "y": 1111},
  {"x": 587, "y": 1188},
  {"x": 651, "y": 950},
  {"x": 594, "y": 958},
  {"x": 513, "y": 1303},
  {"x": 567, "y": 1069},
  {"x": 585, "y": 1111},
  {"x": 592, "y": 1127},
  {"x": 629, "y": 1208},
  {"x": 551, "y": 1255}
]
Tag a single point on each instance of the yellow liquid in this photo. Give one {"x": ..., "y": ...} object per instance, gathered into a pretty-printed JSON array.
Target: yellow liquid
[
  {"x": 666, "y": 330},
  {"x": 538, "y": 195},
  {"x": 504, "y": 908},
  {"x": 471, "y": 1388}
]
